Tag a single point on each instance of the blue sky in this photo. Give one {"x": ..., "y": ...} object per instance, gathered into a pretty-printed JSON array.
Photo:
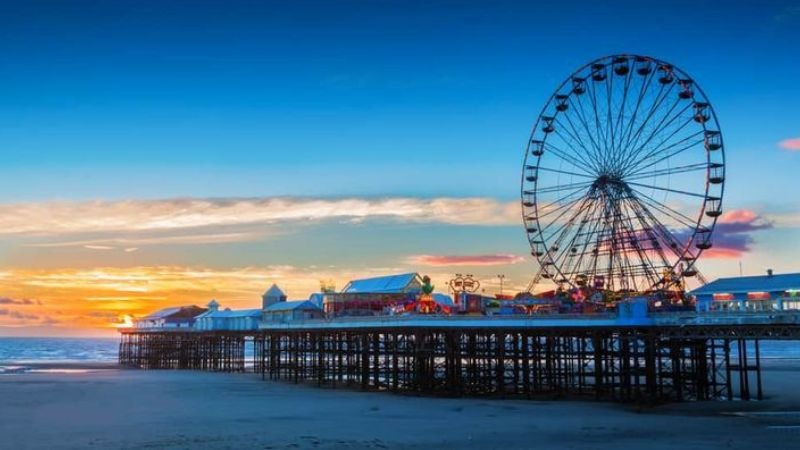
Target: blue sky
[
  {"x": 115, "y": 101},
  {"x": 201, "y": 98}
]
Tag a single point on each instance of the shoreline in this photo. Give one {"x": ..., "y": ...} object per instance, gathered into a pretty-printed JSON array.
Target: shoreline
[{"x": 63, "y": 367}]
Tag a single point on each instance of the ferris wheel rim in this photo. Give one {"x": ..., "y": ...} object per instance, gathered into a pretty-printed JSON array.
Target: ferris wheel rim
[{"x": 681, "y": 76}]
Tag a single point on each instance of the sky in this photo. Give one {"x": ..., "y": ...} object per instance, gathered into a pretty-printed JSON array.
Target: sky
[{"x": 163, "y": 153}]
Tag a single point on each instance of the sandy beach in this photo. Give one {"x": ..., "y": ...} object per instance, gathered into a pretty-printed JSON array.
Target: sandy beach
[{"x": 108, "y": 408}]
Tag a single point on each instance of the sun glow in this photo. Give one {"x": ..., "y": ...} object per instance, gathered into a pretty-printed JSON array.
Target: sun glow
[{"x": 108, "y": 298}]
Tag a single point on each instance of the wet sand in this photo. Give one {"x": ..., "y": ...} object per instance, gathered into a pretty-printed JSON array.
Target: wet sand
[{"x": 107, "y": 408}]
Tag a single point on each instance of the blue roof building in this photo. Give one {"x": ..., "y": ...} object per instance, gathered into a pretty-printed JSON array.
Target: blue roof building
[
  {"x": 290, "y": 311},
  {"x": 227, "y": 319},
  {"x": 176, "y": 317},
  {"x": 751, "y": 293},
  {"x": 390, "y": 284}
]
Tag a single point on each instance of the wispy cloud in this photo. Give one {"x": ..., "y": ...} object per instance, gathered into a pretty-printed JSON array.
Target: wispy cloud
[
  {"x": 19, "y": 315},
  {"x": 130, "y": 244},
  {"x": 792, "y": 144},
  {"x": 21, "y": 301},
  {"x": 465, "y": 260},
  {"x": 97, "y": 247},
  {"x": 54, "y": 218}
]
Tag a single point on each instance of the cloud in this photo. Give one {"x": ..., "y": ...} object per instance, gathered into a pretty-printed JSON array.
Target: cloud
[
  {"x": 792, "y": 144},
  {"x": 784, "y": 219},
  {"x": 19, "y": 315},
  {"x": 22, "y": 301},
  {"x": 724, "y": 253},
  {"x": 175, "y": 215},
  {"x": 732, "y": 237},
  {"x": 129, "y": 243},
  {"x": 465, "y": 260}
]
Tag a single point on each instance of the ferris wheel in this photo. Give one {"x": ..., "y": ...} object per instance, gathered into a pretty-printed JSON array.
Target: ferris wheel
[{"x": 623, "y": 177}]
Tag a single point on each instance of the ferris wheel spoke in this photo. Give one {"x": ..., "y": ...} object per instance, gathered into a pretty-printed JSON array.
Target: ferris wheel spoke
[
  {"x": 563, "y": 211},
  {"x": 609, "y": 120},
  {"x": 559, "y": 250},
  {"x": 598, "y": 127},
  {"x": 675, "y": 191},
  {"x": 676, "y": 245},
  {"x": 565, "y": 172},
  {"x": 614, "y": 257},
  {"x": 637, "y": 157},
  {"x": 590, "y": 149},
  {"x": 637, "y": 167},
  {"x": 563, "y": 155},
  {"x": 581, "y": 115},
  {"x": 664, "y": 209},
  {"x": 573, "y": 259},
  {"x": 645, "y": 259},
  {"x": 662, "y": 95},
  {"x": 626, "y": 264},
  {"x": 619, "y": 127},
  {"x": 548, "y": 208},
  {"x": 659, "y": 227},
  {"x": 564, "y": 187},
  {"x": 658, "y": 232},
  {"x": 660, "y": 127},
  {"x": 575, "y": 138},
  {"x": 589, "y": 239},
  {"x": 669, "y": 171},
  {"x": 642, "y": 95}
]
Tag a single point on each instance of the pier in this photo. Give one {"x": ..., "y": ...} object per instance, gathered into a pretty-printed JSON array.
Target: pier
[{"x": 670, "y": 358}]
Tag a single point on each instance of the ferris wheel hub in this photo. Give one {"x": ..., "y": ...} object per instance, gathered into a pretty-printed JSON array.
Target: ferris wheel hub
[{"x": 607, "y": 181}]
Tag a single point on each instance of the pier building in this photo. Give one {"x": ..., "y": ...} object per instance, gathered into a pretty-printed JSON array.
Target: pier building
[
  {"x": 180, "y": 317},
  {"x": 770, "y": 292}
]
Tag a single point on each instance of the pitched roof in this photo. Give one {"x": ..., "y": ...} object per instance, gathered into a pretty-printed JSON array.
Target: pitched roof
[
  {"x": 443, "y": 299},
  {"x": 274, "y": 291},
  {"x": 177, "y": 312},
  {"x": 385, "y": 284},
  {"x": 231, "y": 313},
  {"x": 316, "y": 298},
  {"x": 761, "y": 283},
  {"x": 291, "y": 305}
]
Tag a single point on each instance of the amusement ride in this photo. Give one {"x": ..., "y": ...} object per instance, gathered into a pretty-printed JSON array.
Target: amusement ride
[{"x": 623, "y": 179}]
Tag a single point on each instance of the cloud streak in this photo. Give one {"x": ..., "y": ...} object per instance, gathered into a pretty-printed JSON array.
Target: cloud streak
[
  {"x": 59, "y": 218},
  {"x": 465, "y": 260},
  {"x": 14, "y": 301},
  {"x": 792, "y": 144},
  {"x": 19, "y": 315}
]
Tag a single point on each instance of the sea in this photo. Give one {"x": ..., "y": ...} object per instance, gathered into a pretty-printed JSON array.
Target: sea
[
  {"x": 29, "y": 355},
  {"x": 23, "y": 355},
  {"x": 61, "y": 355}
]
